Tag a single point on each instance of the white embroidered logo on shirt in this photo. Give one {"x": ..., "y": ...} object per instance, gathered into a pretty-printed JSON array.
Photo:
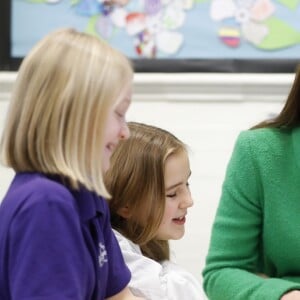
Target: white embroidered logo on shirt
[{"x": 102, "y": 255}]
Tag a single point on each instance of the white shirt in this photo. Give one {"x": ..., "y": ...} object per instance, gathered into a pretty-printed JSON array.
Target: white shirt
[{"x": 157, "y": 281}]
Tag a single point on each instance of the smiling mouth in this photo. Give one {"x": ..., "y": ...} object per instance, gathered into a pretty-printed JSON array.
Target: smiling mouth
[{"x": 179, "y": 221}]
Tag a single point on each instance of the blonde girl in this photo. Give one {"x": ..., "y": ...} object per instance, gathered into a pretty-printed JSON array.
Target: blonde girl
[{"x": 66, "y": 115}]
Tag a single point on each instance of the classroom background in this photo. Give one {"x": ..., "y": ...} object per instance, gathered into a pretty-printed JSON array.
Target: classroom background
[{"x": 205, "y": 110}]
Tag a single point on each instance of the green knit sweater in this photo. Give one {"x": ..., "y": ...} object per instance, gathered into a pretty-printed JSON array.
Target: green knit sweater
[{"x": 257, "y": 224}]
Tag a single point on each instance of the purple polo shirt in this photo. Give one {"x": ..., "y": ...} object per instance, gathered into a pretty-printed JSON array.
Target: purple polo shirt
[{"x": 57, "y": 243}]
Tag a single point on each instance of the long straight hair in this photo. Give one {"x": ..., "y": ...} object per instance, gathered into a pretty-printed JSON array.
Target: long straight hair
[
  {"x": 135, "y": 180},
  {"x": 57, "y": 115},
  {"x": 289, "y": 116}
]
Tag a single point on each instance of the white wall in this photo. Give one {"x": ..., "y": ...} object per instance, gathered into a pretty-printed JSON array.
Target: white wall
[{"x": 206, "y": 111}]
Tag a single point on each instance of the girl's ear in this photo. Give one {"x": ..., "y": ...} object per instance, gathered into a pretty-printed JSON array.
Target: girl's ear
[{"x": 124, "y": 212}]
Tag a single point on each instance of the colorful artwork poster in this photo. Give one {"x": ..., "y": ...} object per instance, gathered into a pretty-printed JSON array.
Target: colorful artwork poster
[{"x": 175, "y": 29}]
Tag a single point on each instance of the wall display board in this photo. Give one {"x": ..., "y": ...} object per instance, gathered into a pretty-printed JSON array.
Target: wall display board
[{"x": 166, "y": 35}]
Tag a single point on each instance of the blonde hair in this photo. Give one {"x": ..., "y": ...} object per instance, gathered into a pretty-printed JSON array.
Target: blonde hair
[
  {"x": 136, "y": 180},
  {"x": 55, "y": 123}
]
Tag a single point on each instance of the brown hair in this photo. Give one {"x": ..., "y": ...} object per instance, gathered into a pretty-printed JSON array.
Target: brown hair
[
  {"x": 289, "y": 116},
  {"x": 135, "y": 180}
]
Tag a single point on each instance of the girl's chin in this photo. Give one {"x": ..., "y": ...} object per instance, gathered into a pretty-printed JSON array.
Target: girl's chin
[
  {"x": 105, "y": 166},
  {"x": 178, "y": 237},
  {"x": 106, "y": 160},
  {"x": 167, "y": 237}
]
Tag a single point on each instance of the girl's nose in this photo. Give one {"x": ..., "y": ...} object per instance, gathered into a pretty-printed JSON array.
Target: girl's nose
[
  {"x": 125, "y": 132},
  {"x": 187, "y": 200}
]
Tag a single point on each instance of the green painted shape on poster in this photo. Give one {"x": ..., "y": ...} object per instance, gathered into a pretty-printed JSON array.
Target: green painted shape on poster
[
  {"x": 200, "y": 1},
  {"x": 74, "y": 2},
  {"x": 36, "y": 1},
  {"x": 91, "y": 27},
  {"x": 281, "y": 35},
  {"x": 291, "y": 4}
]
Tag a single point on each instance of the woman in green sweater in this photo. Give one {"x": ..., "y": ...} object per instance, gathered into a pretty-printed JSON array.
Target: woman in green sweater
[{"x": 254, "y": 251}]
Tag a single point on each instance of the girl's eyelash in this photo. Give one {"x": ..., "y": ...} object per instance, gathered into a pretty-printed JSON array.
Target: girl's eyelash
[
  {"x": 172, "y": 195},
  {"x": 119, "y": 114},
  {"x": 175, "y": 194}
]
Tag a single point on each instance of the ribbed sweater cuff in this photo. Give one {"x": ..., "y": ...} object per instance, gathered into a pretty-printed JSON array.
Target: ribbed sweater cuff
[{"x": 275, "y": 288}]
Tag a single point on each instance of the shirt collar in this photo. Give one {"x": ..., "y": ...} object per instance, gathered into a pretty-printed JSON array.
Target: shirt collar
[{"x": 89, "y": 203}]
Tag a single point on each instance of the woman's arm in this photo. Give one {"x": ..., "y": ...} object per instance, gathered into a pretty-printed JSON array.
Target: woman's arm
[
  {"x": 233, "y": 256},
  {"x": 291, "y": 295}
]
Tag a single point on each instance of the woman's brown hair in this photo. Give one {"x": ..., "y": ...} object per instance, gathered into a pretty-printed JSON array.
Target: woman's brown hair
[{"x": 289, "y": 116}]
